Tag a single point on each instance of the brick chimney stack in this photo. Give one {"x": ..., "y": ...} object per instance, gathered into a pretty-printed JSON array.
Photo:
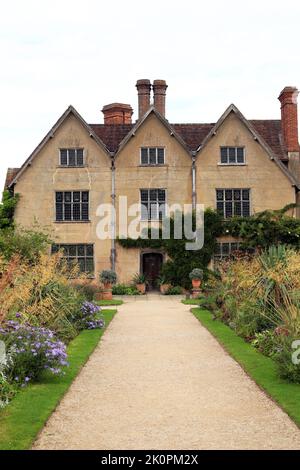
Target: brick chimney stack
[
  {"x": 117, "y": 113},
  {"x": 159, "y": 90},
  {"x": 289, "y": 118},
  {"x": 144, "y": 89}
]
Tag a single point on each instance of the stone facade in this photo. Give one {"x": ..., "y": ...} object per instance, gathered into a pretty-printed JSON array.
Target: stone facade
[{"x": 191, "y": 171}]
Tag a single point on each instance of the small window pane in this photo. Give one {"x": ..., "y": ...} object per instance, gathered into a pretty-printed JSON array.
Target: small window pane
[
  {"x": 240, "y": 155},
  {"x": 237, "y": 194},
  {"x": 224, "y": 158},
  {"x": 59, "y": 211},
  {"x": 228, "y": 195},
  {"x": 59, "y": 197},
  {"x": 72, "y": 250},
  {"x": 89, "y": 265},
  {"x": 144, "y": 212},
  {"x": 220, "y": 208},
  {"x": 85, "y": 196},
  {"x": 225, "y": 248},
  {"x": 220, "y": 194},
  {"x": 237, "y": 209},
  {"x": 80, "y": 250},
  {"x": 85, "y": 211},
  {"x": 72, "y": 161},
  {"x": 144, "y": 156},
  {"x": 154, "y": 211},
  {"x": 67, "y": 197},
  {"x": 144, "y": 195},
  {"x": 76, "y": 196},
  {"x": 89, "y": 250},
  {"x": 68, "y": 212},
  {"x": 232, "y": 154},
  {"x": 161, "y": 195},
  {"x": 153, "y": 194},
  {"x": 76, "y": 211},
  {"x": 228, "y": 209},
  {"x": 63, "y": 157},
  {"x": 152, "y": 155},
  {"x": 79, "y": 157},
  {"x": 245, "y": 194},
  {"x": 246, "y": 209},
  {"x": 161, "y": 156}
]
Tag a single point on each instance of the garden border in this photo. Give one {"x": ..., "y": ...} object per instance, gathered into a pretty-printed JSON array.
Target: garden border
[
  {"x": 258, "y": 367},
  {"x": 22, "y": 420}
]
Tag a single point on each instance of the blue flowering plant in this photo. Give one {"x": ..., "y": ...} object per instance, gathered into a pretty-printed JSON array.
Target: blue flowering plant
[
  {"x": 89, "y": 317},
  {"x": 33, "y": 350}
]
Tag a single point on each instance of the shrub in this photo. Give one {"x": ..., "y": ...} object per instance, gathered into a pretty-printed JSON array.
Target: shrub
[
  {"x": 89, "y": 317},
  {"x": 196, "y": 273},
  {"x": 265, "y": 342},
  {"x": 34, "y": 350},
  {"x": 7, "y": 391},
  {"x": 42, "y": 293},
  {"x": 87, "y": 290},
  {"x": 177, "y": 290},
  {"x": 122, "y": 289},
  {"x": 108, "y": 277},
  {"x": 139, "y": 278},
  {"x": 27, "y": 244},
  {"x": 283, "y": 357}
]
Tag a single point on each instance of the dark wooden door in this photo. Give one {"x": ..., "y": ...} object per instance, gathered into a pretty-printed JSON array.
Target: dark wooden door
[{"x": 152, "y": 263}]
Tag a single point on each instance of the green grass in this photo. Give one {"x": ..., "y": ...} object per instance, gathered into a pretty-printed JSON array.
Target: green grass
[
  {"x": 191, "y": 301},
  {"x": 25, "y": 416},
  {"x": 260, "y": 368},
  {"x": 106, "y": 303}
]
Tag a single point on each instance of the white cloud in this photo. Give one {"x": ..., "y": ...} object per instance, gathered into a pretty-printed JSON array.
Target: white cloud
[{"x": 55, "y": 53}]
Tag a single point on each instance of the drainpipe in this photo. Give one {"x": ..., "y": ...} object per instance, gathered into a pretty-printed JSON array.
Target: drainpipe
[
  {"x": 113, "y": 219},
  {"x": 194, "y": 195}
]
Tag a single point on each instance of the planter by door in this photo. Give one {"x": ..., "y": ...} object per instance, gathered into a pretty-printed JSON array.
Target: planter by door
[
  {"x": 196, "y": 283},
  {"x": 151, "y": 266}
]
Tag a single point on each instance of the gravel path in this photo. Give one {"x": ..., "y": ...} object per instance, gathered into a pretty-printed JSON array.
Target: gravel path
[{"x": 159, "y": 380}]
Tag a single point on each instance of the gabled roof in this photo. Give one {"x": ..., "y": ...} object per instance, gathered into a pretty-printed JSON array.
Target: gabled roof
[
  {"x": 193, "y": 137},
  {"x": 162, "y": 119},
  {"x": 50, "y": 135},
  {"x": 233, "y": 109}
]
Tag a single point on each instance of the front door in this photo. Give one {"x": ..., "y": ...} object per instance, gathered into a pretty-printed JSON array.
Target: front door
[{"x": 152, "y": 263}]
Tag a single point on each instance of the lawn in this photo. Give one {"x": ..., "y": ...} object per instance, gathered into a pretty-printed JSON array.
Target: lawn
[
  {"x": 190, "y": 301},
  {"x": 25, "y": 416},
  {"x": 260, "y": 368},
  {"x": 106, "y": 303}
]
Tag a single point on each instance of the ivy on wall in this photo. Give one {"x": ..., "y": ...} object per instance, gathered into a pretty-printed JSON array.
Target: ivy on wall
[
  {"x": 7, "y": 209},
  {"x": 258, "y": 231}
]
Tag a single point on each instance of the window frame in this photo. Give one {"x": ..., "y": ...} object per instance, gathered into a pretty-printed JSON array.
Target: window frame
[
  {"x": 77, "y": 256},
  {"x": 221, "y": 256},
  {"x": 156, "y": 156},
  {"x": 72, "y": 203},
  {"x": 232, "y": 200},
  {"x": 160, "y": 214},
  {"x": 235, "y": 163},
  {"x": 67, "y": 165}
]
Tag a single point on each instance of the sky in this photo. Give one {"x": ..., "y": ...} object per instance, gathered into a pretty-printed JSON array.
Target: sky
[{"x": 90, "y": 53}]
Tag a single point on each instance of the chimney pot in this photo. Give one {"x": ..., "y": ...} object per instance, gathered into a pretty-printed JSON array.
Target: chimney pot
[
  {"x": 289, "y": 118},
  {"x": 159, "y": 90},
  {"x": 117, "y": 113},
  {"x": 144, "y": 89}
]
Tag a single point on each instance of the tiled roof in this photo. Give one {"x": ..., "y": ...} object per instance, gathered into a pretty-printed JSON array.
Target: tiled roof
[
  {"x": 111, "y": 134},
  {"x": 270, "y": 131},
  {"x": 10, "y": 174},
  {"x": 193, "y": 134}
]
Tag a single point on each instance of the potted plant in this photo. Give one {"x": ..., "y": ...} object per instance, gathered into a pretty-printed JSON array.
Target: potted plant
[
  {"x": 196, "y": 276},
  {"x": 140, "y": 282},
  {"x": 164, "y": 285},
  {"x": 108, "y": 278}
]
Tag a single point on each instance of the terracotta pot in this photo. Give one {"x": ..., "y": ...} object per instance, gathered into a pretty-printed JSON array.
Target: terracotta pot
[
  {"x": 107, "y": 294},
  {"x": 98, "y": 296},
  {"x": 107, "y": 285},
  {"x": 196, "y": 283},
  {"x": 141, "y": 288},
  {"x": 164, "y": 288}
]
